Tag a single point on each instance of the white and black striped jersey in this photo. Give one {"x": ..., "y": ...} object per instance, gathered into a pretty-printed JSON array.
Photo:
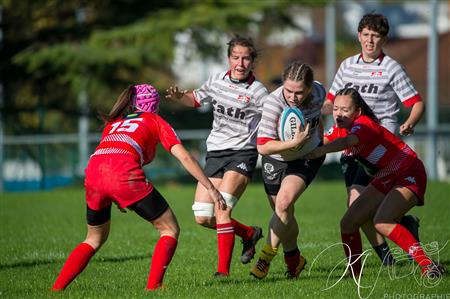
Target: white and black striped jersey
[
  {"x": 383, "y": 84},
  {"x": 237, "y": 108},
  {"x": 274, "y": 105}
]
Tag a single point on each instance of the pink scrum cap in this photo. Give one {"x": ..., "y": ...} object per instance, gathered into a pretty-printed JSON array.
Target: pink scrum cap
[{"x": 145, "y": 98}]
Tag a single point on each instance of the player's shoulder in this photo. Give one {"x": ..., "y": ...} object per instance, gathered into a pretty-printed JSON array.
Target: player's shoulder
[
  {"x": 335, "y": 132},
  {"x": 258, "y": 86},
  {"x": 363, "y": 121},
  {"x": 350, "y": 60},
  {"x": 277, "y": 92},
  {"x": 391, "y": 64},
  {"x": 274, "y": 98},
  {"x": 319, "y": 88},
  {"x": 217, "y": 76},
  {"x": 151, "y": 117}
]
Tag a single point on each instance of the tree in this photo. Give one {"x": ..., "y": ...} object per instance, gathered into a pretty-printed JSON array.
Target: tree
[{"x": 56, "y": 49}]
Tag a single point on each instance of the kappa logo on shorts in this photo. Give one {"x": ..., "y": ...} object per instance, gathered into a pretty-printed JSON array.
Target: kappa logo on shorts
[
  {"x": 411, "y": 179},
  {"x": 242, "y": 166}
]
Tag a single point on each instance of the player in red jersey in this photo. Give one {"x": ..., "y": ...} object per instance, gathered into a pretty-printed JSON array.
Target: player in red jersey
[
  {"x": 384, "y": 85},
  {"x": 398, "y": 184},
  {"x": 114, "y": 174}
]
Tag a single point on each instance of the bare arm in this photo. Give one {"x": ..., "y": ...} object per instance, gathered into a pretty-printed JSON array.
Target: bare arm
[
  {"x": 407, "y": 128},
  {"x": 327, "y": 107},
  {"x": 336, "y": 145},
  {"x": 278, "y": 146},
  {"x": 191, "y": 165},
  {"x": 185, "y": 97}
]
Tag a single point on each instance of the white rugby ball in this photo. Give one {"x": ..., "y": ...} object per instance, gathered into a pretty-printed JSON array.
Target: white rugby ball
[{"x": 289, "y": 120}]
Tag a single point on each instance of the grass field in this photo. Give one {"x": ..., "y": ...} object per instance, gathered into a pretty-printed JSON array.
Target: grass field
[{"x": 38, "y": 230}]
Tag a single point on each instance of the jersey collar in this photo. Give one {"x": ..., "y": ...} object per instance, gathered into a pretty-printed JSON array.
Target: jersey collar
[
  {"x": 249, "y": 80},
  {"x": 379, "y": 58}
]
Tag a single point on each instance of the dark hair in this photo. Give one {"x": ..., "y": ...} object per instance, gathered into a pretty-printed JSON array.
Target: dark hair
[
  {"x": 244, "y": 42},
  {"x": 122, "y": 106},
  {"x": 358, "y": 101},
  {"x": 375, "y": 22}
]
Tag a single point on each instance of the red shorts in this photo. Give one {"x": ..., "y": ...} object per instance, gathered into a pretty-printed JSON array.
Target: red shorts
[
  {"x": 114, "y": 178},
  {"x": 412, "y": 177}
]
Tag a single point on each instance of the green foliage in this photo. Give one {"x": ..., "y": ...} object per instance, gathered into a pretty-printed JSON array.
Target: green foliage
[
  {"x": 53, "y": 223},
  {"x": 57, "y": 49}
]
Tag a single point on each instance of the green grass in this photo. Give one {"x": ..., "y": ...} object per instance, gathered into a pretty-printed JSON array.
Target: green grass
[{"x": 38, "y": 230}]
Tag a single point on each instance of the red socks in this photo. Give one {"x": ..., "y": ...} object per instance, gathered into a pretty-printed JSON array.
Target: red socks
[
  {"x": 354, "y": 247},
  {"x": 242, "y": 230},
  {"x": 74, "y": 265},
  {"x": 292, "y": 259},
  {"x": 162, "y": 255},
  {"x": 403, "y": 238},
  {"x": 225, "y": 244}
]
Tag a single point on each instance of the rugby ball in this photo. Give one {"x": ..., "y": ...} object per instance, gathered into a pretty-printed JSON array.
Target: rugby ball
[{"x": 289, "y": 120}]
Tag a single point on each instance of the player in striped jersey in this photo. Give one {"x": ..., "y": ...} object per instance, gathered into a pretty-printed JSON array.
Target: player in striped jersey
[
  {"x": 383, "y": 84},
  {"x": 114, "y": 174},
  {"x": 286, "y": 173},
  {"x": 398, "y": 184},
  {"x": 237, "y": 98}
]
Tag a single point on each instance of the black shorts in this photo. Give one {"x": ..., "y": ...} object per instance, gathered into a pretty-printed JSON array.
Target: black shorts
[
  {"x": 150, "y": 208},
  {"x": 354, "y": 172},
  {"x": 274, "y": 171},
  {"x": 218, "y": 162}
]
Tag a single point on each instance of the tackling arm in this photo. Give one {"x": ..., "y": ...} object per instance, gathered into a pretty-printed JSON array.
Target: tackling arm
[
  {"x": 327, "y": 107},
  {"x": 192, "y": 166},
  {"x": 336, "y": 145}
]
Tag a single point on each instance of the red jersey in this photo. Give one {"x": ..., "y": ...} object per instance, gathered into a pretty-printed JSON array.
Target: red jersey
[
  {"x": 114, "y": 172},
  {"x": 378, "y": 148},
  {"x": 137, "y": 134}
]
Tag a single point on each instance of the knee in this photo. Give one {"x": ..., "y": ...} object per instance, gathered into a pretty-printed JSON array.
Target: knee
[
  {"x": 230, "y": 199},
  {"x": 96, "y": 242},
  {"x": 170, "y": 228},
  {"x": 203, "y": 212},
  {"x": 347, "y": 225},
  {"x": 175, "y": 232},
  {"x": 283, "y": 203},
  {"x": 353, "y": 194},
  {"x": 382, "y": 228},
  {"x": 208, "y": 222},
  {"x": 284, "y": 211}
]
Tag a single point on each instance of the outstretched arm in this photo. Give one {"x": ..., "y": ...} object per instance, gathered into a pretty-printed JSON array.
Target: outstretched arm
[
  {"x": 192, "y": 166},
  {"x": 407, "y": 128},
  {"x": 185, "y": 97},
  {"x": 336, "y": 145}
]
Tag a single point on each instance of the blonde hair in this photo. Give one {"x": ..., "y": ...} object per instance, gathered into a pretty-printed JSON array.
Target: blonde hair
[{"x": 298, "y": 71}]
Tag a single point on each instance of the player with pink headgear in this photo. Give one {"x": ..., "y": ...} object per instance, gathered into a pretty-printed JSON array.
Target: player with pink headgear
[
  {"x": 146, "y": 98},
  {"x": 114, "y": 174}
]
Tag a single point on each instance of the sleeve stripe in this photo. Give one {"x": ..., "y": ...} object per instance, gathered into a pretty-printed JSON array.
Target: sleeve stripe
[
  {"x": 411, "y": 101},
  {"x": 330, "y": 96},
  {"x": 263, "y": 140}
]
